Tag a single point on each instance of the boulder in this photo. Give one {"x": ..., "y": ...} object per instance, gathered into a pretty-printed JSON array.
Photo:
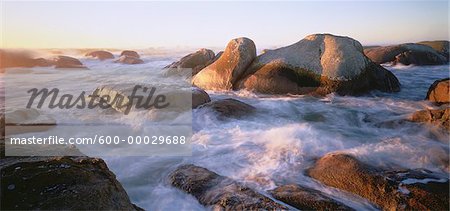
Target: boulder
[
  {"x": 196, "y": 61},
  {"x": 199, "y": 97},
  {"x": 67, "y": 62},
  {"x": 318, "y": 64},
  {"x": 219, "y": 192},
  {"x": 230, "y": 108},
  {"x": 101, "y": 55},
  {"x": 399, "y": 190},
  {"x": 407, "y": 54},
  {"x": 224, "y": 73},
  {"x": 21, "y": 59},
  {"x": 130, "y": 54},
  {"x": 129, "y": 60},
  {"x": 304, "y": 198},
  {"x": 60, "y": 183},
  {"x": 439, "y": 117},
  {"x": 439, "y": 91},
  {"x": 440, "y": 46}
]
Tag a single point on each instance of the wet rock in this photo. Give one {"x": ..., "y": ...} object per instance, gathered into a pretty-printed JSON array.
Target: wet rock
[
  {"x": 440, "y": 46},
  {"x": 196, "y": 61},
  {"x": 219, "y": 192},
  {"x": 65, "y": 183},
  {"x": 130, "y": 54},
  {"x": 67, "y": 62},
  {"x": 21, "y": 59},
  {"x": 318, "y": 64},
  {"x": 101, "y": 55},
  {"x": 224, "y": 73},
  {"x": 129, "y": 60},
  {"x": 199, "y": 97},
  {"x": 27, "y": 120},
  {"x": 407, "y": 54},
  {"x": 381, "y": 187},
  {"x": 230, "y": 108},
  {"x": 439, "y": 91},
  {"x": 439, "y": 117},
  {"x": 305, "y": 198}
]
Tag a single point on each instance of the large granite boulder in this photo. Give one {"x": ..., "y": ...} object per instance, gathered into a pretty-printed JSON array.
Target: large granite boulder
[
  {"x": 129, "y": 60},
  {"x": 304, "y": 198},
  {"x": 439, "y": 91},
  {"x": 196, "y": 61},
  {"x": 229, "y": 67},
  {"x": 219, "y": 192},
  {"x": 101, "y": 55},
  {"x": 318, "y": 64},
  {"x": 407, "y": 54},
  {"x": 60, "y": 183},
  {"x": 390, "y": 190},
  {"x": 130, "y": 54},
  {"x": 440, "y": 46},
  {"x": 21, "y": 59},
  {"x": 67, "y": 62}
]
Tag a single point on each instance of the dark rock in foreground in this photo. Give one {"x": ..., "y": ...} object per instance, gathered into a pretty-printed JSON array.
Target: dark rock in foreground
[
  {"x": 199, "y": 97},
  {"x": 67, "y": 62},
  {"x": 102, "y": 55},
  {"x": 219, "y": 192},
  {"x": 42, "y": 183},
  {"x": 407, "y": 54},
  {"x": 230, "y": 108},
  {"x": 318, "y": 64},
  {"x": 130, "y": 54},
  {"x": 390, "y": 191},
  {"x": 438, "y": 117},
  {"x": 129, "y": 60},
  {"x": 305, "y": 198},
  {"x": 196, "y": 61},
  {"x": 439, "y": 91}
]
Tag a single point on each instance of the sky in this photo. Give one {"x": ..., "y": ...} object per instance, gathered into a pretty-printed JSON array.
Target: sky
[{"x": 144, "y": 24}]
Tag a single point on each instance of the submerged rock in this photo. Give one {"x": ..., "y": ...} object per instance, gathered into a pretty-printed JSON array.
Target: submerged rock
[
  {"x": 219, "y": 192},
  {"x": 306, "y": 199},
  {"x": 67, "y": 62},
  {"x": 230, "y": 108},
  {"x": 196, "y": 61},
  {"x": 130, "y": 54},
  {"x": 407, "y": 54},
  {"x": 382, "y": 188},
  {"x": 65, "y": 183},
  {"x": 439, "y": 117},
  {"x": 129, "y": 60},
  {"x": 102, "y": 55},
  {"x": 439, "y": 91},
  {"x": 318, "y": 64},
  {"x": 224, "y": 73}
]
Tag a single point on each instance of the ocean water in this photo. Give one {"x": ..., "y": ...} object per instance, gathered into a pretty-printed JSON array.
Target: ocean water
[{"x": 275, "y": 145}]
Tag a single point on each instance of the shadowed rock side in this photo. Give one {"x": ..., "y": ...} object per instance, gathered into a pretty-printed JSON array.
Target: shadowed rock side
[
  {"x": 66, "y": 183},
  {"x": 67, "y": 62},
  {"x": 199, "y": 97},
  {"x": 130, "y": 54},
  {"x": 440, "y": 46},
  {"x": 439, "y": 91},
  {"x": 101, "y": 55},
  {"x": 319, "y": 64},
  {"x": 21, "y": 59},
  {"x": 407, "y": 54},
  {"x": 196, "y": 61},
  {"x": 230, "y": 108},
  {"x": 219, "y": 192},
  {"x": 438, "y": 117},
  {"x": 223, "y": 73},
  {"x": 388, "y": 190},
  {"x": 305, "y": 198}
]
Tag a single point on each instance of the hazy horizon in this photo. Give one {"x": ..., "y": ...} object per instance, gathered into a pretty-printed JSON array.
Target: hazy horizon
[{"x": 87, "y": 24}]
